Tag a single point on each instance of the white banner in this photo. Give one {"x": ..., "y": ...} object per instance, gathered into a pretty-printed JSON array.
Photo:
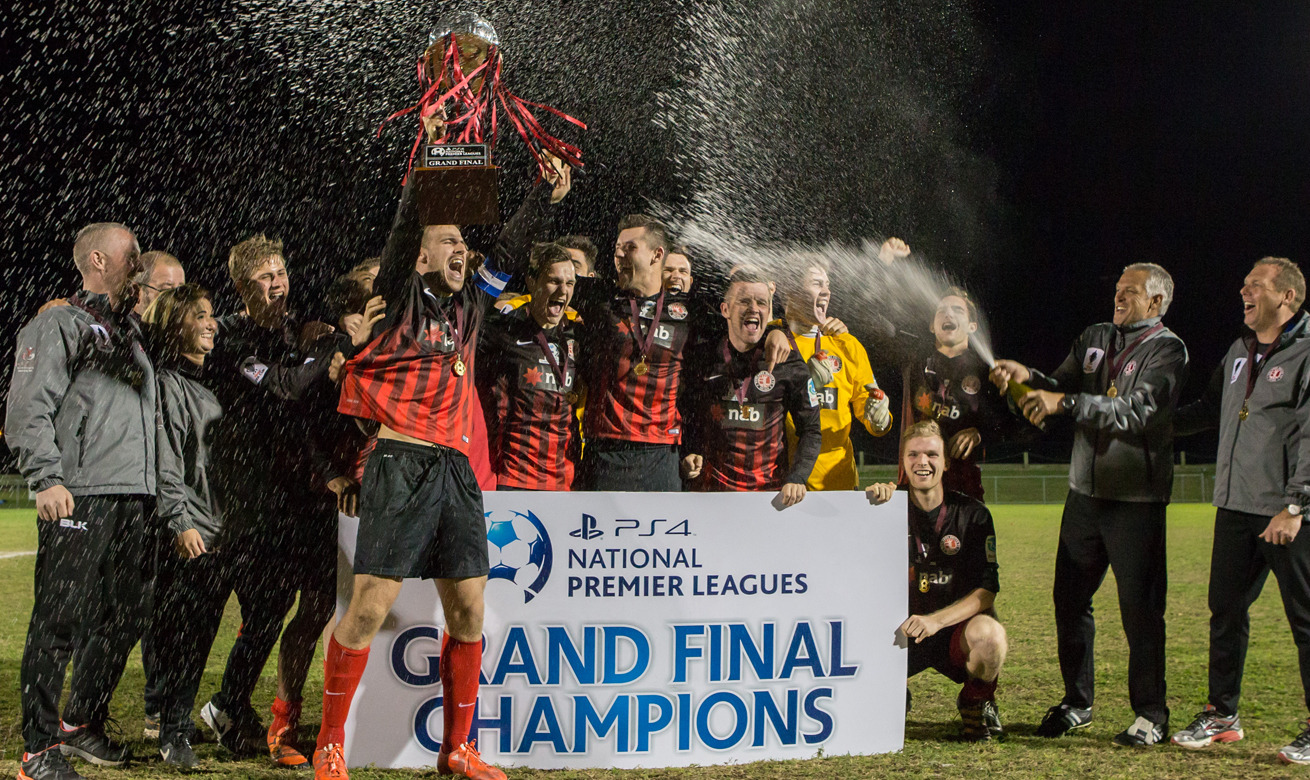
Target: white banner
[{"x": 658, "y": 629}]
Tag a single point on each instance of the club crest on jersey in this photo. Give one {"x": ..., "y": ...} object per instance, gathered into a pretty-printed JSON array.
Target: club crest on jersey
[
  {"x": 254, "y": 371},
  {"x": 26, "y": 360},
  {"x": 765, "y": 381},
  {"x": 1092, "y": 360},
  {"x": 677, "y": 311},
  {"x": 1275, "y": 374},
  {"x": 971, "y": 384},
  {"x": 950, "y": 544},
  {"x": 1238, "y": 365},
  {"x": 1130, "y": 368}
]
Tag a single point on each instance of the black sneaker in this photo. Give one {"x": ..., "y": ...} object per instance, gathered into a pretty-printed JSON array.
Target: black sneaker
[
  {"x": 49, "y": 764},
  {"x": 1298, "y": 752},
  {"x": 1143, "y": 733},
  {"x": 176, "y": 751},
  {"x": 1061, "y": 719},
  {"x": 982, "y": 721},
  {"x": 91, "y": 743},
  {"x": 239, "y": 731},
  {"x": 151, "y": 728}
]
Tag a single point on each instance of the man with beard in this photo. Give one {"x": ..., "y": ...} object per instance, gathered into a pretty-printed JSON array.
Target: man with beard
[
  {"x": 1119, "y": 384},
  {"x": 736, "y": 432},
  {"x": 81, "y": 420},
  {"x": 954, "y": 580},
  {"x": 1259, "y": 400},
  {"x": 282, "y": 528},
  {"x": 840, "y": 367},
  {"x": 528, "y": 373},
  {"x": 421, "y": 512},
  {"x": 950, "y": 387}
]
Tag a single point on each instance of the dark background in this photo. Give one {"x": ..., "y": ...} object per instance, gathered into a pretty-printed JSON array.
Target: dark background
[{"x": 1051, "y": 143}]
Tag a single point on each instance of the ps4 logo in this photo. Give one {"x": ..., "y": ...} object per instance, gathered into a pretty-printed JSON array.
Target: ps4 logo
[{"x": 630, "y": 526}]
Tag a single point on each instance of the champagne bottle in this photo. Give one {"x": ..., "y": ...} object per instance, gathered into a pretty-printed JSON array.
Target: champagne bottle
[{"x": 1016, "y": 391}]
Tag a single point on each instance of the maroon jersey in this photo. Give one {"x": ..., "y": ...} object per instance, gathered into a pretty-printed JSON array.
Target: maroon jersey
[
  {"x": 738, "y": 420},
  {"x": 529, "y": 397},
  {"x": 416, "y": 375},
  {"x": 632, "y": 389}
]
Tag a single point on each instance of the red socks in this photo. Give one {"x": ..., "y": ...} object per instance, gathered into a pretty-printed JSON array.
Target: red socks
[
  {"x": 978, "y": 690},
  {"x": 285, "y": 714},
  {"x": 461, "y": 665},
  {"x": 342, "y": 670}
]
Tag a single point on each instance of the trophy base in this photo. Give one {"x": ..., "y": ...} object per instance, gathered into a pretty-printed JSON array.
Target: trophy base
[{"x": 457, "y": 196}]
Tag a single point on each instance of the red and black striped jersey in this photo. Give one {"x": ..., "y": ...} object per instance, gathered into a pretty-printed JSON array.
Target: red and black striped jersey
[
  {"x": 631, "y": 396},
  {"x": 531, "y": 427},
  {"x": 416, "y": 375},
  {"x": 738, "y": 420}
]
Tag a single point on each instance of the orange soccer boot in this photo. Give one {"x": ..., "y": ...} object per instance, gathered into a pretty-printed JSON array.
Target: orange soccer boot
[
  {"x": 330, "y": 763},
  {"x": 466, "y": 760}
]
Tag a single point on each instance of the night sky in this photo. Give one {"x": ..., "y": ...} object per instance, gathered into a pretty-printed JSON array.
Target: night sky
[{"x": 1096, "y": 134}]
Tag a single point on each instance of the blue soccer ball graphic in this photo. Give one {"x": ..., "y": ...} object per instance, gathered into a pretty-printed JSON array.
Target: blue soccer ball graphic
[{"x": 518, "y": 548}]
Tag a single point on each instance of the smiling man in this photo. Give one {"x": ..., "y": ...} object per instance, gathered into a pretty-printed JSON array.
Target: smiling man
[
  {"x": 1119, "y": 384},
  {"x": 528, "y": 358},
  {"x": 949, "y": 386},
  {"x": 736, "y": 437},
  {"x": 1259, "y": 398},
  {"x": 676, "y": 275},
  {"x": 954, "y": 580}
]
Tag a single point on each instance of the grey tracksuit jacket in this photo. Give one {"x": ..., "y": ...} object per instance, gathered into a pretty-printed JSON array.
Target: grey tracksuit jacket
[
  {"x": 188, "y": 412},
  {"x": 1263, "y": 463},
  {"x": 1123, "y": 446},
  {"x": 81, "y": 407}
]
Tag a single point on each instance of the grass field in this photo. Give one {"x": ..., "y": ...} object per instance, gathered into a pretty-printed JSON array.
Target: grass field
[{"x": 1271, "y": 708}]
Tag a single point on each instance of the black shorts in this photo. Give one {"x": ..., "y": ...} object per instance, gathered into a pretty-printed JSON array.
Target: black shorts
[
  {"x": 942, "y": 651},
  {"x": 420, "y": 514},
  {"x": 630, "y": 466}
]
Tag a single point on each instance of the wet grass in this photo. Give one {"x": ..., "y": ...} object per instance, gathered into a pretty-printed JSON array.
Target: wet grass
[{"x": 1271, "y": 707}]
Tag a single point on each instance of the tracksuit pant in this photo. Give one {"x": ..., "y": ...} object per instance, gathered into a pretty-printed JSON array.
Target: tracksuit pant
[
  {"x": 1239, "y": 564},
  {"x": 1128, "y": 537},
  {"x": 92, "y": 594},
  {"x": 189, "y": 600}
]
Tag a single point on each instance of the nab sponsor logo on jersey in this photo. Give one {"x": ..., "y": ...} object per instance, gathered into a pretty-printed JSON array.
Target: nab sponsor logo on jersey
[
  {"x": 1092, "y": 360},
  {"x": 827, "y": 397},
  {"x": 747, "y": 417},
  {"x": 666, "y": 334}
]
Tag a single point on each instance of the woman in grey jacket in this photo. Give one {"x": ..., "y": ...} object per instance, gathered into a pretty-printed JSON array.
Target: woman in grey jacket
[{"x": 192, "y": 585}]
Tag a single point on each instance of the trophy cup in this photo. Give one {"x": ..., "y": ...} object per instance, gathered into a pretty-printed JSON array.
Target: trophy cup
[{"x": 463, "y": 99}]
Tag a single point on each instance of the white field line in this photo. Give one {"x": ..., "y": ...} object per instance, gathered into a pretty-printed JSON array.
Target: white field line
[{"x": 16, "y": 554}]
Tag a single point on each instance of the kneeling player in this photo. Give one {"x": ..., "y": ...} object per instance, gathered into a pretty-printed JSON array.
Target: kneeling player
[
  {"x": 953, "y": 582},
  {"x": 738, "y": 409}
]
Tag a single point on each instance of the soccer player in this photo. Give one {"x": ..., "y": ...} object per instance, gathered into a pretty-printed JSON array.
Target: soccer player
[
  {"x": 676, "y": 276},
  {"x": 950, "y": 386},
  {"x": 1119, "y": 384},
  {"x": 81, "y": 420},
  {"x": 634, "y": 335},
  {"x": 843, "y": 363},
  {"x": 159, "y": 271},
  {"x": 193, "y": 583},
  {"x": 421, "y": 509},
  {"x": 736, "y": 437},
  {"x": 954, "y": 580},
  {"x": 281, "y": 526},
  {"x": 528, "y": 361},
  {"x": 1259, "y": 400},
  {"x": 583, "y": 251}
]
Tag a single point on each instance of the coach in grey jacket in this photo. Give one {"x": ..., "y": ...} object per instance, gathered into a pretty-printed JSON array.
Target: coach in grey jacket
[
  {"x": 81, "y": 419},
  {"x": 1259, "y": 398},
  {"x": 1119, "y": 385}
]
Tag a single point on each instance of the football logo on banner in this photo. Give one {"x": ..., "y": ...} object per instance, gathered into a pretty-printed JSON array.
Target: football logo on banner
[
  {"x": 1092, "y": 360},
  {"x": 520, "y": 551}
]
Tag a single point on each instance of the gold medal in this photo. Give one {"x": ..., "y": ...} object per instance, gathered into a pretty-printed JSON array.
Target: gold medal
[
  {"x": 459, "y": 368},
  {"x": 572, "y": 398},
  {"x": 641, "y": 369},
  {"x": 1113, "y": 392},
  {"x": 923, "y": 583},
  {"x": 1242, "y": 415}
]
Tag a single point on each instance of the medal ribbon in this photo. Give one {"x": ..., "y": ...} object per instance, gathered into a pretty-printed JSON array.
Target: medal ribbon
[
  {"x": 645, "y": 340},
  {"x": 1250, "y": 367},
  {"x": 1117, "y": 360},
  {"x": 754, "y": 358},
  {"x": 560, "y": 372},
  {"x": 937, "y": 528}
]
